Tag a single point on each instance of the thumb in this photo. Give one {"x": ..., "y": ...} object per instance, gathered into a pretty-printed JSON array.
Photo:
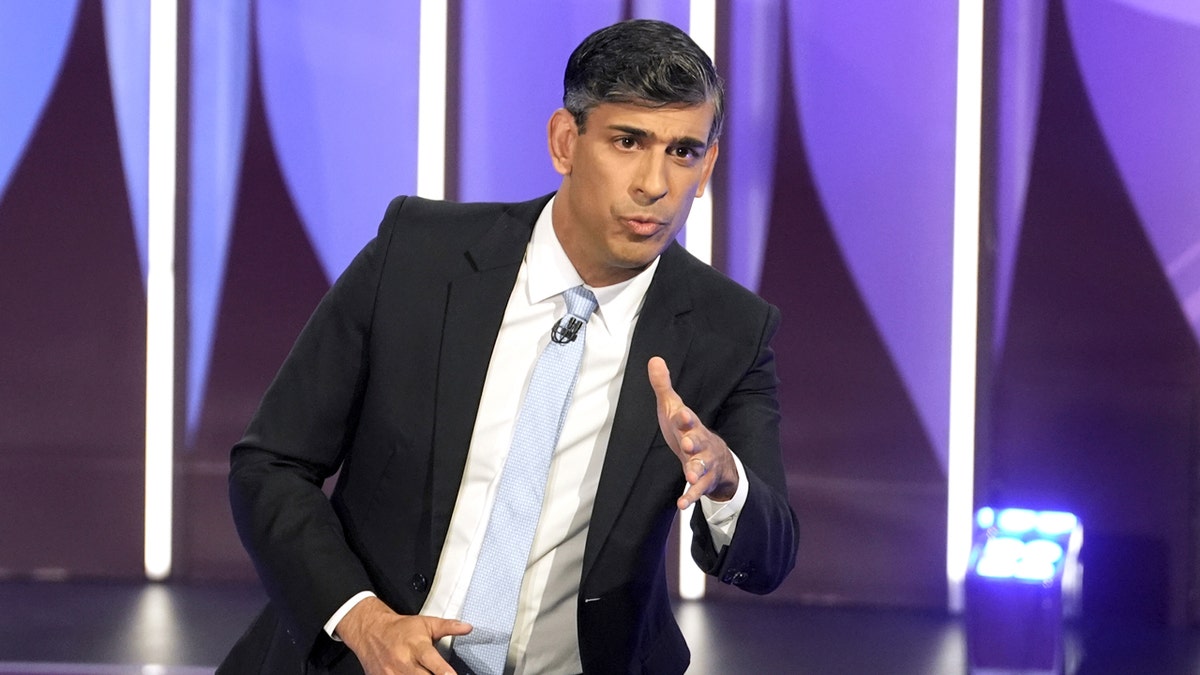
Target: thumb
[
  {"x": 667, "y": 400},
  {"x": 660, "y": 377},
  {"x": 440, "y": 628}
]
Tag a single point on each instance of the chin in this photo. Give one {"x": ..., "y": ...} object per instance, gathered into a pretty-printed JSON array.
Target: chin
[{"x": 636, "y": 262}]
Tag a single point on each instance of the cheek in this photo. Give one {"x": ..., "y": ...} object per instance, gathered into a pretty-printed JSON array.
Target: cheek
[{"x": 687, "y": 183}]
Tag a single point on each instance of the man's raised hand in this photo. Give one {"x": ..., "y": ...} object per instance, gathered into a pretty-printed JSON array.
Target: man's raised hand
[{"x": 706, "y": 461}]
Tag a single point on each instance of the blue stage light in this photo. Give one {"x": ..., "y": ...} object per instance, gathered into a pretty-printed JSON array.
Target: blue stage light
[
  {"x": 1021, "y": 543},
  {"x": 999, "y": 557},
  {"x": 1055, "y": 523},
  {"x": 1034, "y": 560},
  {"x": 1043, "y": 550},
  {"x": 985, "y": 518},
  {"x": 1023, "y": 578},
  {"x": 1016, "y": 521},
  {"x": 1032, "y": 569}
]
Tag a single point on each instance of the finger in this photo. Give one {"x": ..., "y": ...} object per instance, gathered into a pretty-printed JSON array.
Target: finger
[
  {"x": 683, "y": 419},
  {"x": 694, "y": 492},
  {"x": 701, "y": 470},
  {"x": 660, "y": 381},
  {"x": 431, "y": 660},
  {"x": 440, "y": 628}
]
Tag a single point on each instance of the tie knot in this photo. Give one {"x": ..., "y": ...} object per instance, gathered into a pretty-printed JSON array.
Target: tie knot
[{"x": 580, "y": 302}]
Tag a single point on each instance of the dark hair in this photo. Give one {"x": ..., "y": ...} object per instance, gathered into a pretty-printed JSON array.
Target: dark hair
[{"x": 644, "y": 62}]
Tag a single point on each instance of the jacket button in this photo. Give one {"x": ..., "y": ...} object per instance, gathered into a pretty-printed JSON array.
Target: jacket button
[
  {"x": 735, "y": 578},
  {"x": 418, "y": 583}
]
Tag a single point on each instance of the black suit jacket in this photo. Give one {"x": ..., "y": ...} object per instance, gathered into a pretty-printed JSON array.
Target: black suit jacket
[{"x": 383, "y": 384}]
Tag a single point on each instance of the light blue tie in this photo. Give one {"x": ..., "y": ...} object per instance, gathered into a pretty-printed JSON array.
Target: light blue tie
[{"x": 491, "y": 602}]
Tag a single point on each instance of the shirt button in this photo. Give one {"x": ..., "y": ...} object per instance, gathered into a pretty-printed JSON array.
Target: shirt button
[
  {"x": 738, "y": 578},
  {"x": 418, "y": 583}
]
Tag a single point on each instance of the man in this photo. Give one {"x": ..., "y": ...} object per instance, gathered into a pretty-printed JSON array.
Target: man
[{"x": 411, "y": 379}]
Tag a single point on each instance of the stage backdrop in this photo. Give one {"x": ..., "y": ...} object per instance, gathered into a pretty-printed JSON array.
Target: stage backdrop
[
  {"x": 1095, "y": 394},
  {"x": 834, "y": 196},
  {"x": 73, "y": 183}
]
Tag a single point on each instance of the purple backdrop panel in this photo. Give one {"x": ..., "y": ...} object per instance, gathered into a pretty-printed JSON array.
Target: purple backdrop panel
[
  {"x": 340, "y": 88},
  {"x": 1093, "y": 403},
  {"x": 1148, "y": 108},
  {"x": 1022, "y": 42},
  {"x": 876, "y": 85},
  {"x": 220, "y": 70},
  {"x": 748, "y": 149},
  {"x": 72, "y": 367},
  {"x": 1181, "y": 11},
  {"x": 33, "y": 40},
  {"x": 127, "y": 36},
  {"x": 677, "y": 12},
  {"x": 512, "y": 59}
]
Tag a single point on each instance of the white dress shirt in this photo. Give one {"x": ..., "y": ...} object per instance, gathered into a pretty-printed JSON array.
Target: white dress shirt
[{"x": 545, "y": 633}]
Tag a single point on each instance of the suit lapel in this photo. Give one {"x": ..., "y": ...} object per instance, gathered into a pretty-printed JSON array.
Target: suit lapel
[
  {"x": 663, "y": 329},
  {"x": 475, "y": 307}
]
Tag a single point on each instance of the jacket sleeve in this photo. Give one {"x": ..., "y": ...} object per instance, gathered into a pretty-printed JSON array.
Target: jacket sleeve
[
  {"x": 296, "y": 440},
  {"x": 764, "y": 545}
]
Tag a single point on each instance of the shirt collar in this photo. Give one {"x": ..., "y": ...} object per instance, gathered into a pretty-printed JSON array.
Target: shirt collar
[{"x": 551, "y": 272}]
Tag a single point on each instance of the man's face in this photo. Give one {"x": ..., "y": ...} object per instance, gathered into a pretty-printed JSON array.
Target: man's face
[{"x": 628, "y": 183}]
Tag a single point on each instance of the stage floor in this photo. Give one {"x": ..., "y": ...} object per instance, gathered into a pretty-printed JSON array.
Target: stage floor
[{"x": 95, "y": 628}]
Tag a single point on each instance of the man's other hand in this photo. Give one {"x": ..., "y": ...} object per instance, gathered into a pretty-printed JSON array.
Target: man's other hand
[{"x": 387, "y": 643}]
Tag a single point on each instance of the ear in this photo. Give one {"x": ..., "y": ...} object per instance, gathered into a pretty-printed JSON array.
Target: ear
[
  {"x": 561, "y": 133},
  {"x": 710, "y": 159}
]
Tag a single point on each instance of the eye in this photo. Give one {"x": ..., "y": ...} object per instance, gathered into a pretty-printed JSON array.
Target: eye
[
  {"x": 626, "y": 142},
  {"x": 684, "y": 152}
]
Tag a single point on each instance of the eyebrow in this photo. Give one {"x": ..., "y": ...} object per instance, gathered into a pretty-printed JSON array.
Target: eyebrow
[{"x": 642, "y": 134}]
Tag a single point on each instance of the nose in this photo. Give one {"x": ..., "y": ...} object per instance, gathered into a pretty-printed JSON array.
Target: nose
[{"x": 650, "y": 181}]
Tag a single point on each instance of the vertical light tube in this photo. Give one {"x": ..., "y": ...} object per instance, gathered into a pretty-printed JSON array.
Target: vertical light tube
[
  {"x": 699, "y": 228},
  {"x": 702, "y": 21},
  {"x": 160, "y": 291},
  {"x": 965, "y": 298},
  {"x": 431, "y": 101}
]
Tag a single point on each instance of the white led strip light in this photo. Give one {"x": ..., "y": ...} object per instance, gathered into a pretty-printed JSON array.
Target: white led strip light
[
  {"x": 431, "y": 101},
  {"x": 965, "y": 299},
  {"x": 703, "y": 24},
  {"x": 160, "y": 291}
]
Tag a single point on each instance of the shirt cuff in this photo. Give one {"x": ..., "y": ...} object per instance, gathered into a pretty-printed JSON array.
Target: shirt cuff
[
  {"x": 337, "y": 617},
  {"x": 722, "y": 516}
]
